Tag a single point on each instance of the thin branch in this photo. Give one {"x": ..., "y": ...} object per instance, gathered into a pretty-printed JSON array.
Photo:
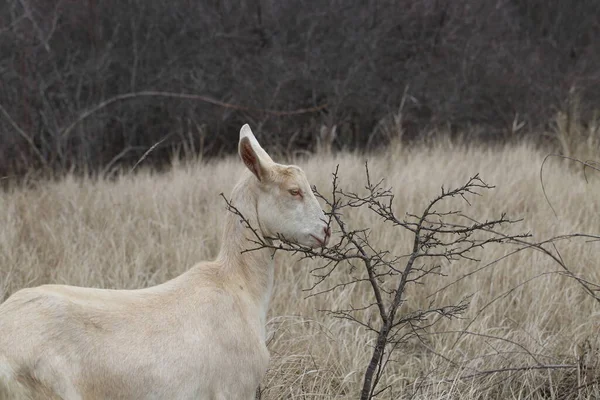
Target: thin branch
[
  {"x": 25, "y": 136},
  {"x": 513, "y": 369},
  {"x": 143, "y": 157},
  {"x": 586, "y": 164},
  {"x": 206, "y": 99}
]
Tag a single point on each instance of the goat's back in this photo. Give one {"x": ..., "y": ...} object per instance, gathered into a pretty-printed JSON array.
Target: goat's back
[{"x": 139, "y": 344}]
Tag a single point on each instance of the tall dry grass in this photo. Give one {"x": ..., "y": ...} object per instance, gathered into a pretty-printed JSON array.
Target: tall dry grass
[
  {"x": 140, "y": 230},
  {"x": 578, "y": 137}
]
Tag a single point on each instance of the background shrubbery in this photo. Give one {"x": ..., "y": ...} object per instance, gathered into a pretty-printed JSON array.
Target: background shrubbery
[{"x": 489, "y": 67}]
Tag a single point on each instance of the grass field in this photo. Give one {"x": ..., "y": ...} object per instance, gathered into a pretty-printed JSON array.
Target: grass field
[{"x": 144, "y": 228}]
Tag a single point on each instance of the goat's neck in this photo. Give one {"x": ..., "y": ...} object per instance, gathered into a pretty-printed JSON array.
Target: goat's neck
[{"x": 250, "y": 271}]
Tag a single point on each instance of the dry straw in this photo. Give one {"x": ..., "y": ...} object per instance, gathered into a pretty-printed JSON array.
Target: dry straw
[{"x": 530, "y": 329}]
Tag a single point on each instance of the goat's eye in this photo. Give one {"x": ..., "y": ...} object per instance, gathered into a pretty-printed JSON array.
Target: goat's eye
[{"x": 295, "y": 192}]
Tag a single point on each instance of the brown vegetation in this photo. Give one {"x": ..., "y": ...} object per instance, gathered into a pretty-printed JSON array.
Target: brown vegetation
[{"x": 530, "y": 331}]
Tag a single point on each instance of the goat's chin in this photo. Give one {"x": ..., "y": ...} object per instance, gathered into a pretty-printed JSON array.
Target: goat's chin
[{"x": 310, "y": 242}]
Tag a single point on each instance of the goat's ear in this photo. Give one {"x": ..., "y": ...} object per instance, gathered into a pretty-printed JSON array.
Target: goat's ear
[{"x": 252, "y": 154}]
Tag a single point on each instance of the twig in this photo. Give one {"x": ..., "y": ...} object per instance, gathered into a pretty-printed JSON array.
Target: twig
[
  {"x": 24, "y": 135},
  {"x": 206, "y": 99},
  {"x": 148, "y": 152},
  {"x": 586, "y": 164},
  {"x": 513, "y": 369}
]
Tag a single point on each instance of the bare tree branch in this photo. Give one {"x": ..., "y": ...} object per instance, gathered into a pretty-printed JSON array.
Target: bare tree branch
[
  {"x": 436, "y": 235},
  {"x": 206, "y": 99}
]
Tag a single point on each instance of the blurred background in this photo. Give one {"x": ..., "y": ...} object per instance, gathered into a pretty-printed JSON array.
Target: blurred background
[{"x": 92, "y": 85}]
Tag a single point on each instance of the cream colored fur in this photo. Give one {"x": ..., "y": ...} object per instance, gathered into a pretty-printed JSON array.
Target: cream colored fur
[{"x": 198, "y": 336}]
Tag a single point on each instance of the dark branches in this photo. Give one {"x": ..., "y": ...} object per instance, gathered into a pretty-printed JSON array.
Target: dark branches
[{"x": 437, "y": 238}]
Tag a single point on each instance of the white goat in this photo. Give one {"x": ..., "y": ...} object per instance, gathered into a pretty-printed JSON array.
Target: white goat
[{"x": 198, "y": 336}]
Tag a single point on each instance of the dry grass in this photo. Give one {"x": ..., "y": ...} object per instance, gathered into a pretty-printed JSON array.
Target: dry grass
[{"x": 141, "y": 230}]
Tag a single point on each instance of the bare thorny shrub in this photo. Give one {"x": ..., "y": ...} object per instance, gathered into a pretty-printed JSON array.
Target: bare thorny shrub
[{"x": 439, "y": 239}]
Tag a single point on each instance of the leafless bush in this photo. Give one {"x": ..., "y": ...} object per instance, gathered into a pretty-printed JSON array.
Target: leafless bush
[
  {"x": 439, "y": 237},
  {"x": 470, "y": 63}
]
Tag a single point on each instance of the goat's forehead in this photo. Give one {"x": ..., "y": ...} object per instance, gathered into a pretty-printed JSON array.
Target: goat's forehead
[{"x": 289, "y": 174}]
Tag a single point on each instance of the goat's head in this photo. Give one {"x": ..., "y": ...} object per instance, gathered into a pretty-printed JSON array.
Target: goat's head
[{"x": 285, "y": 203}]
